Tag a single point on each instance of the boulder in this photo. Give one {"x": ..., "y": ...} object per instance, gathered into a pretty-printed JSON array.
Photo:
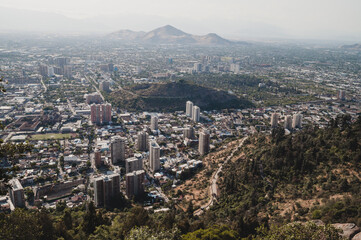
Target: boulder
[
  {"x": 348, "y": 229},
  {"x": 357, "y": 236},
  {"x": 318, "y": 222}
]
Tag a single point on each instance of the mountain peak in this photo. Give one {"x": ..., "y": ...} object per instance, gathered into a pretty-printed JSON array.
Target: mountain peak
[
  {"x": 168, "y": 34},
  {"x": 169, "y": 27},
  {"x": 168, "y": 30}
]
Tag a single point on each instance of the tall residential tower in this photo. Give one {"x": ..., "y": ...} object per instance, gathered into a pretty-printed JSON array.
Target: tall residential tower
[
  {"x": 204, "y": 141},
  {"x": 154, "y": 155}
]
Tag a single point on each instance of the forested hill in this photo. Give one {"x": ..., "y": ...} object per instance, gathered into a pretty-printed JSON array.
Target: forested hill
[
  {"x": 311, "y": 174},
  {"x": 168, "y": 97}
]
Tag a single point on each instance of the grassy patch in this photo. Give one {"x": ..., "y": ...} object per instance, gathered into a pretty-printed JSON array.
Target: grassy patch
[{"x": 50, "y": 136}]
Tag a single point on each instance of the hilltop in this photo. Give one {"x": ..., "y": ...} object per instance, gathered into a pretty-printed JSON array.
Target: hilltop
[
  {"x": 172, "y": 96},
  {"x": 169, "y": 35},
  {"x": 355, "y": 46}
]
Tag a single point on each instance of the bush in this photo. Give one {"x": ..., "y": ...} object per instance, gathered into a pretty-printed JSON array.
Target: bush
[{"x": 317, "y": 214}]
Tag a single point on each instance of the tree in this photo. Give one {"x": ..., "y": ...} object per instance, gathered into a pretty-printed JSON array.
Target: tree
[
  {"x": 168, "y": 220},
  {"x": 29, "y": 193},
  {"x": 60, "y": 206},
  {"x": 20, "y": 225},
  {"x": 89, "y": 220},
  {"x": 213, "y": 233},
  {"x": 299, "y": 231},
  {"x": 67, "y": 219},
  {"x": 190, "y": 209},
  {"x": 46, "y": 223},
  {"x": 278, "y": 134},
  {"x": 101, "y": 233},
  {"x": 10, "y": 151},
  {"x": 138, "y": 217},
  {"x": 148, "y": 234}
]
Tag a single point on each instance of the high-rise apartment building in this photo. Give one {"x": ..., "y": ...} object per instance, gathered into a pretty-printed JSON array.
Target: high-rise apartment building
[
  {"x": 142, "y": 141},
  {"x": 117, "y": 149},
  {"x": 196, "y": 113},
  {"x": 341, "y": 95},
  {"x": 188, "y": 132},
  {"x": 288, "y": 122},
  {"x": 106, "y": 113},
  {"x": 134, "y": 183},
  {"x": 16, "y": 192},
  {"x": 154, "y": 155},
  {"x": 197, "y": 67},
  {"x": 111, "y": 67},
  {"x": 235, "y": 68},
  {"x": 204, "y": 141},
  {"x": 297, "y": 121},
  {"x": 104, "y": 86},
  {"x": 43, "y": 69},
  {"x": 189, "y": 109},
  {"x": 62, "y": 61},
  {"x": 67, "y": 71},
  {"x": 99, "y": 191},
  {"x": 133, "y": 164},
  {"x": 106, "y": 190},
  {"x": 95, "y": 113},
  {"x": 274, "y": 120},
  {"x": 51, "y": 71},
  {"x": 154, "y": 123},
  {"x": 58, "y": 71},
  {"x": 101, "y": 113},
  {"x": 97, "y": 158}
]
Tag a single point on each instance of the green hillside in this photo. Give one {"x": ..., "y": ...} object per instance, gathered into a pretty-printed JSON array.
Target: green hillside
[
  {"x": 173, "y": 96},
  {"x": 277, "y": 179}
]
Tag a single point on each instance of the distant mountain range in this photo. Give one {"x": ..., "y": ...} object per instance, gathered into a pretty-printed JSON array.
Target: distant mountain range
[{"x": 169, "y": 35}]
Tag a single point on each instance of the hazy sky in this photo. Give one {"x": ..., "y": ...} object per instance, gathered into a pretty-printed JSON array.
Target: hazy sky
[{"x": 294, "y": 18}]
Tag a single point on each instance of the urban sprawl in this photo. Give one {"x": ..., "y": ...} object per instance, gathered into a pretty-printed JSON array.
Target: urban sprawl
[{"x": 85, "y": 149}]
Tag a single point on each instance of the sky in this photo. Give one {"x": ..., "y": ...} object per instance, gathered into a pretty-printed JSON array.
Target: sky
[{"x": 318, "y": 19}]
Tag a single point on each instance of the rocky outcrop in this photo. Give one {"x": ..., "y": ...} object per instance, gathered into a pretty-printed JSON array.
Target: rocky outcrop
[
  {"x": 349, "y": 230},
  {"x": 357, "y": 236}
]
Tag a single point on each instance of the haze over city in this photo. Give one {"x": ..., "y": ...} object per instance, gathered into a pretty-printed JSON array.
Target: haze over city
[
  {"x": 180, "y": 120},
  {"x": 234, "y": 19}
]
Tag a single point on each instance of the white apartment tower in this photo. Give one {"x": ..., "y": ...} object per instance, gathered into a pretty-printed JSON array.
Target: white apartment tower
[
  {"x": 189, "y": 109},
  {"x": 154, "y": 154},
  {"x": 154, "y": 123},
  {"x": 197, "y": 67},
  {"x": 297, "y": 121},
  {"x": 196, "y": 113}
]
